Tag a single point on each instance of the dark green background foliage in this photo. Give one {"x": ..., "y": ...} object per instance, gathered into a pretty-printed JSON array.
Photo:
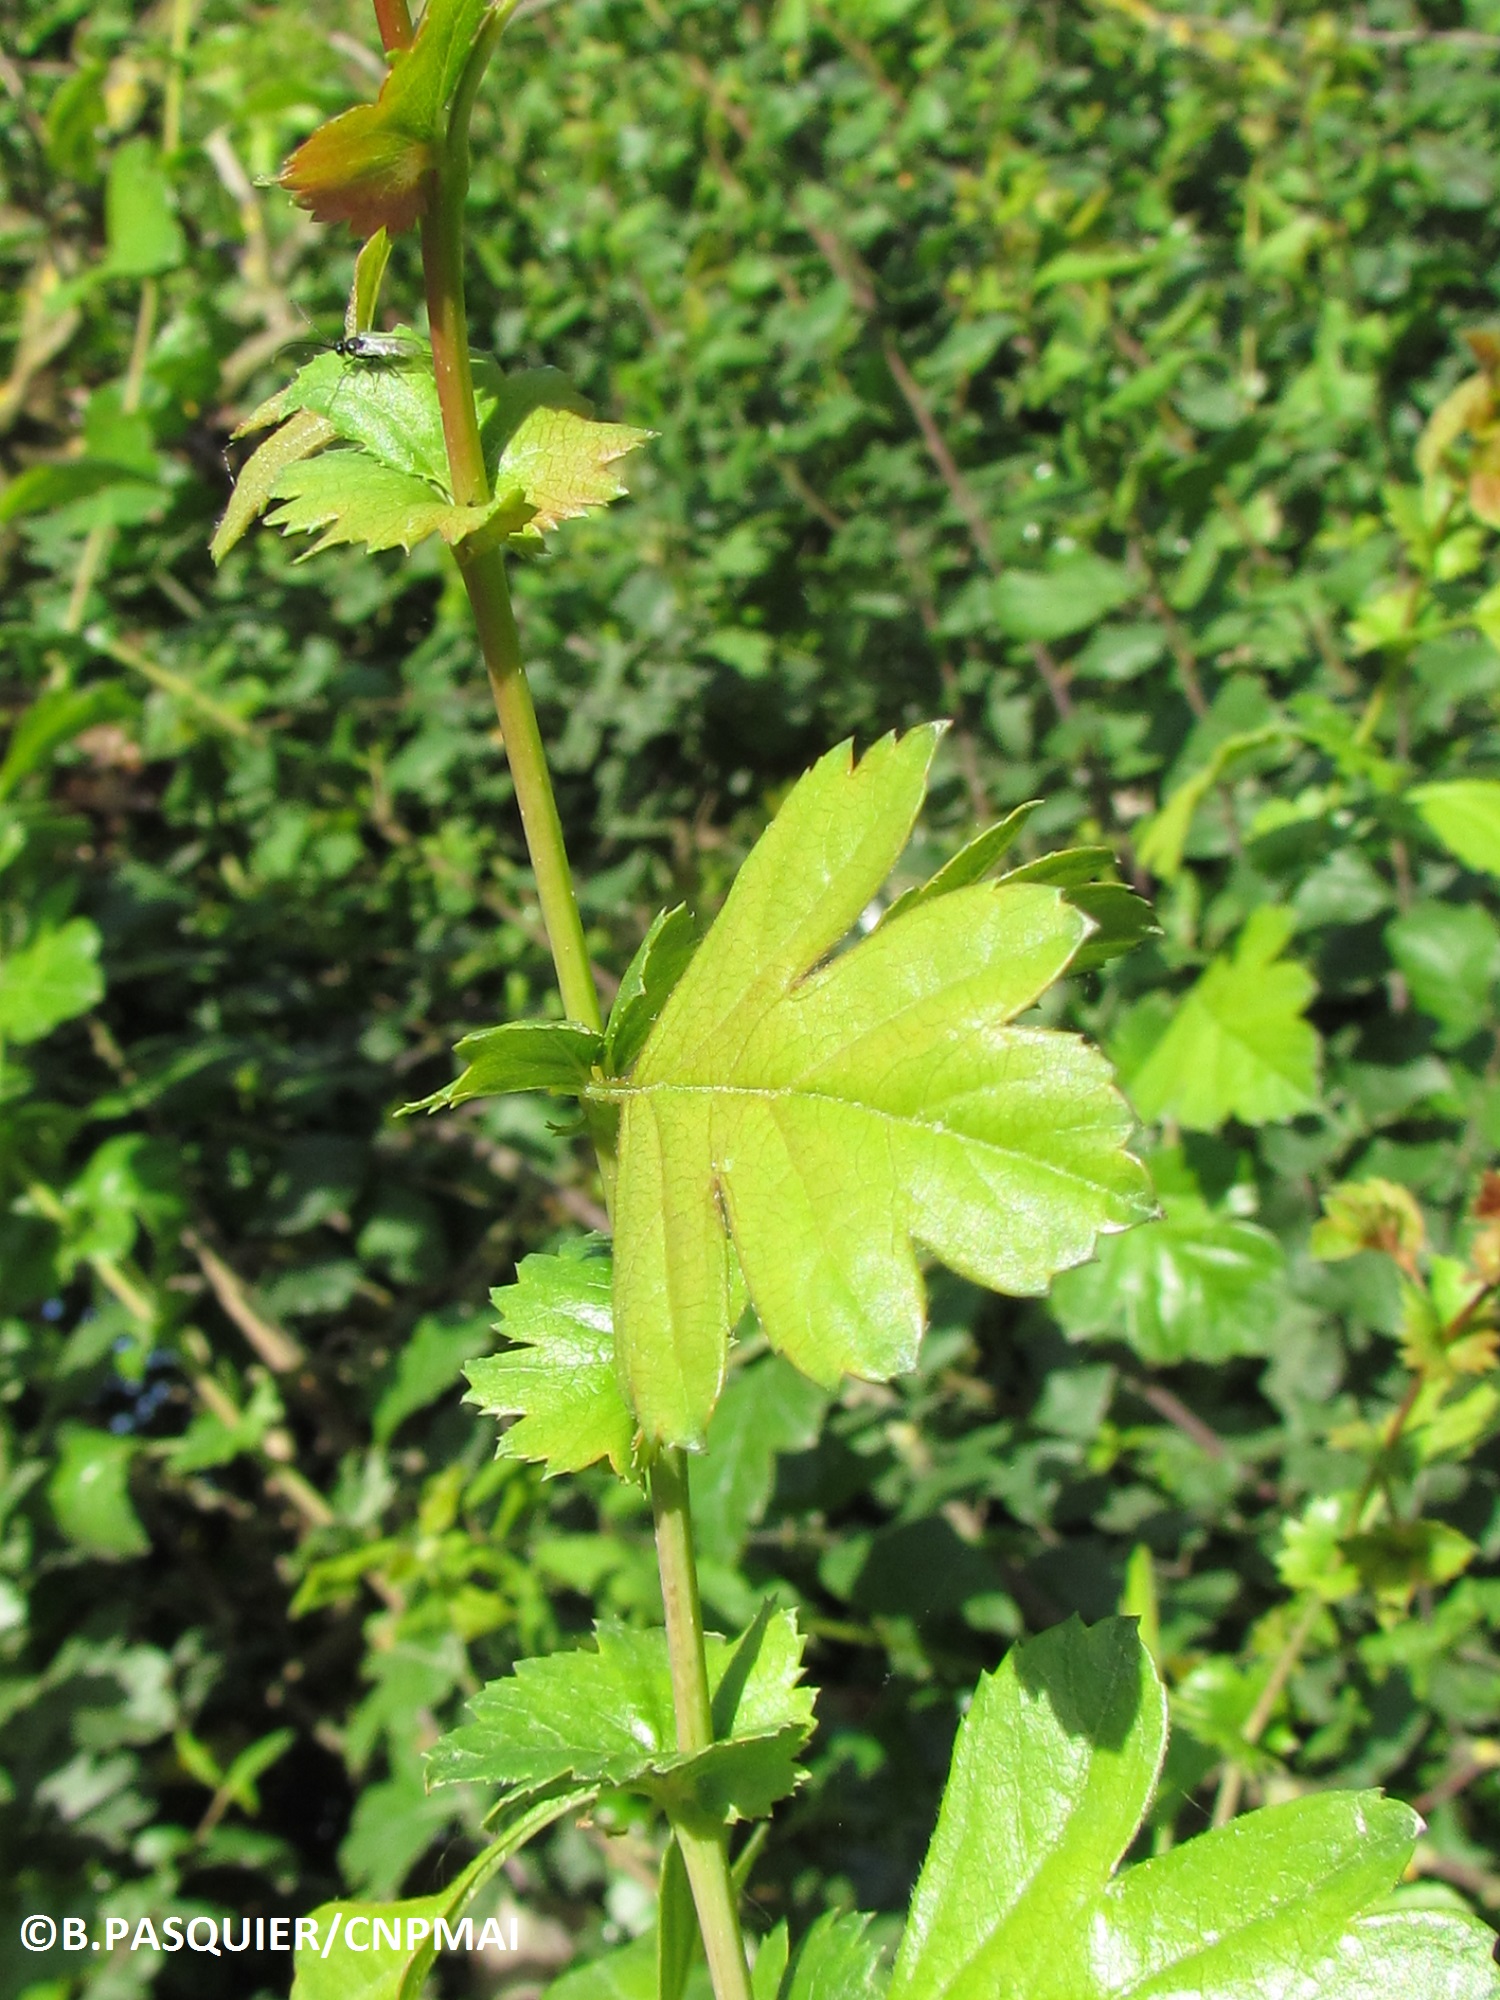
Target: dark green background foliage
[{"x": 1022, "y": 363}]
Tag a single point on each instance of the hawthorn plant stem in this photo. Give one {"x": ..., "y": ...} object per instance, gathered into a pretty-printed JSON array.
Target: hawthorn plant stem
[
  {"x": 489, "y": 594},
  {"x": 705, "y": 1850}
]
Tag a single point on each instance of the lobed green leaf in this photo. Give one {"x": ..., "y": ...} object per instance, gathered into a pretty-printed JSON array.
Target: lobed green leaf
[
  {"x": 828, "y": 1120},
  {"x": 558, "y": 1376}
]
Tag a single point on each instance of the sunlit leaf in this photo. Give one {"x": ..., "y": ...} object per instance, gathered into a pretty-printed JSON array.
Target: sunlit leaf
[
  {"x": 1464, "y": 814},
  {"x": 347, "y": 496},
  {"x": 373, "y": 167},
  {"x": 1237, "y": 1046},
  {"x": 89, "y": 1492},
  {"x": 557, "y": 1376},
  {"x": 1194, "y": 1286},
  {"x": 557, "y": 1056},
  {"x": 50, "y": 980},
  {"x": 606, "y": 1717},
  {"x": 833, "y": 1117},
  {"x": 1022, "y": 1895}
]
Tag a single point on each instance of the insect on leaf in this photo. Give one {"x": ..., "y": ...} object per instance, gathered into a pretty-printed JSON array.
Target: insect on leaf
[{"x": 832, "y": 1116}]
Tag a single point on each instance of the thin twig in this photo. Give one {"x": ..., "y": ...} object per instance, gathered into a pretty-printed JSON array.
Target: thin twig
[{"x": 271, "y": 1341}]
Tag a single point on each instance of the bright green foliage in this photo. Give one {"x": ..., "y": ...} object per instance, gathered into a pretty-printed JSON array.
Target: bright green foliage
[
  {"x": 1197, "y": 1285},
  {"x": 1311, "y": 1556},
  {"x": 973, "y": 861},
  {"x": 629, "y": 1974},
  {"x": 89, "y": 1493},
  {"x": 767, "y": 1409},
  {"x": 548, "y": 461},
  {"x": 557, "y": 1056},
  {"x": 659, "y": 963},
  {"x": 1022, "y": 1893},
  {"x": 1464, "y": 813},
  {"x": 141, "y": 229},
  {"x": 49, "y": 980},
  {"x": 551, "y": 451},
  {"x": 1368, "y": 1215},
  {"x": 341, "y": 497},
  {"x": 211, "y": 1439},
  {"x": 838, "y": 1116},
  {"x": 303, "y": 433},
  {"x": 1174, "y": 288},
  {"x": 605, "y": 1718},
  {"x": 558, "y": 1376},
  {"x": 1238, "y": 1046},
  {"x": 1162, "y": 840},
  {"x": 770, "y": 1965},
  {"x": 1450, "y": 956}
]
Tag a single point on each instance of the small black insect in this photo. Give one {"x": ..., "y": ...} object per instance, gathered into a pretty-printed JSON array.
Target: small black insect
[{"x": 379, "y": 346}]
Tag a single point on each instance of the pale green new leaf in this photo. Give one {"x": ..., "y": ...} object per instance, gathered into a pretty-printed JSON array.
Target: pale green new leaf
[
  {"x": 1119, "y": 917},
  {"x": 770, "y": 1964},
  {"x": 1434, "y": 1954},
  {"x": 1237, "y": 1046},
  {"x": 831, "y": 1119},
  {"x": 650, "y": 976},
  {"x": 1464, "y": 814},
  {"x": 50, "y": 980},
  {"x": 971, "y": 863},
  {"x": 1159, "y": 844},
  {"x": 1022, "y": 1896},
  {"x": 556, "y": 1056},
  {"x": 558, "y": 1376},
  {"x": 606, "y": 1717}
]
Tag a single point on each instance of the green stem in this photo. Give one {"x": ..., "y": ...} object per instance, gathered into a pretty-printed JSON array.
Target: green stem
[
  {"x": 484, "y": 575},
  {"x": 489, "y": 594},
  {"x": 705, "y": 1849}
]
